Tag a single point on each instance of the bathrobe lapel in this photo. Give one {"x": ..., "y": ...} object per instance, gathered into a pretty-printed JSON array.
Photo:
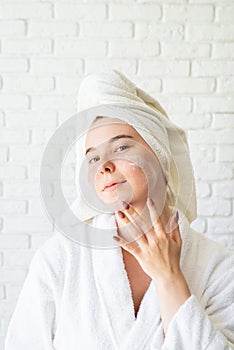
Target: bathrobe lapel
[{"x": 116, "y": 298}]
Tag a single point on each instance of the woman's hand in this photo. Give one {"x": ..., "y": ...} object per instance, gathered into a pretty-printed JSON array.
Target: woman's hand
[{"x": 157, "y": 252}]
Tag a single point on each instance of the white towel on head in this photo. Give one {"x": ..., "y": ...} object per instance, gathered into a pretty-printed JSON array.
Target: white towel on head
[{"x": 168, "y": 141}]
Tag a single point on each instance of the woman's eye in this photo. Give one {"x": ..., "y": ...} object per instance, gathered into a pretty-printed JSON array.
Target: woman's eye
[
  {"x": 123, "y": 147},
  {"x": 91, "y": 160}
]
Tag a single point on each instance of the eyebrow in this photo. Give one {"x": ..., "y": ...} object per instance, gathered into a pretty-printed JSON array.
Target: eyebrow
[{"x": 117, "y": 137}]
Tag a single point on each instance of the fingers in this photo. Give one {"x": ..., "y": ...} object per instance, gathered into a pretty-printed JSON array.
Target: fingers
[
  {"x": 128, "y": 246},
  {"x": 129, "y": 234},
  {"x": 128, "y": 225},
  {"x": 156, "y": 221},
  {"x": 135, "y": 217},
  {"x": 132, "y": 225},
  {"x": 128, "y": 231},
  {"x": 175, "y": 229}
]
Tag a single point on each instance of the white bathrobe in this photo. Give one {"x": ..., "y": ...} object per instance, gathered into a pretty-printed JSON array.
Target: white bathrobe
[{"x": 78, "y": 298}]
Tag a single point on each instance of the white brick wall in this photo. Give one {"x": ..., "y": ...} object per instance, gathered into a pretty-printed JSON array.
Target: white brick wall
[{"x": 181, "y": 51}]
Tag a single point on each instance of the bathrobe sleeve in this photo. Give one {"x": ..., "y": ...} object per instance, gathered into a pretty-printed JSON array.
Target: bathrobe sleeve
[
  {"x": 208, "y": 323},
  {"x": 31, "y": 326}
]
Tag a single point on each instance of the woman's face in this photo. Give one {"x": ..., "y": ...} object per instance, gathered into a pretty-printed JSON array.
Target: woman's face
[{"x": 119, "y": 155}]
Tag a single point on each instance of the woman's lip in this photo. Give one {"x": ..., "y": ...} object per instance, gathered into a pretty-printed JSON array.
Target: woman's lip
[{"x": 112, "y": 187}]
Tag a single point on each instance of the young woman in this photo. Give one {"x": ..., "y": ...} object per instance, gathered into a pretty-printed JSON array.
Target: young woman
[{"x": 161, "y": 285}]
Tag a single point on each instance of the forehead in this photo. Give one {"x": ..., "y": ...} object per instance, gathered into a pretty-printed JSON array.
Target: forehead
[{"x": 105, "y": 128}]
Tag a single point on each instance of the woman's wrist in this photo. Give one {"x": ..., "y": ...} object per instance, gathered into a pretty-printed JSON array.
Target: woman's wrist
[
  {"x": 172, "y": 292},
  {"x": 174, "y": 285},
  {"x": 169, "y": 279}
]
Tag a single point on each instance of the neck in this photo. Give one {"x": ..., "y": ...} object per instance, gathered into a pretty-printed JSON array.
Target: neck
[{"x": 164, "y": 214}]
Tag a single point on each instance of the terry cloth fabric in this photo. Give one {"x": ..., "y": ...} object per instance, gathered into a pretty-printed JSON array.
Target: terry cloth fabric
[
  {"x": 144, "y": 113},
  {"x": 75, "y": 297}
]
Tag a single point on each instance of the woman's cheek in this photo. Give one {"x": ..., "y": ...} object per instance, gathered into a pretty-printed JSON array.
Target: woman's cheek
[
  {"x": 94, "y": 179},
  {"x": 138, "y": 180}
]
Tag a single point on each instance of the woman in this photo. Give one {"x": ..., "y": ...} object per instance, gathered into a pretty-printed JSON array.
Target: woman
[{"x": 163, "y": 286}]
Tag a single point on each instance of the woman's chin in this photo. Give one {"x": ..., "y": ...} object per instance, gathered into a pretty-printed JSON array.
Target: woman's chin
[{"x": 115, "y": 202}]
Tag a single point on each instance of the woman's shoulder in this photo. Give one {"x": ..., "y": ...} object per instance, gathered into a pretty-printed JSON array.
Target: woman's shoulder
[
  {"x": 206, "y": 244},
  {"x": 56, "y": 242},
  {"x": 210, "y": 257},
  {"x": 201, "y": 252},
  {"x": 56, "y": 252}
]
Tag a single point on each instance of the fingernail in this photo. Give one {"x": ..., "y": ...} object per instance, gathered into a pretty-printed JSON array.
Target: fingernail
[
  {"x": 176, "y": 216},
  {"x": 121, "y": 214},
  {"x": 150, "y": 201},
  {"x": 125, "y": 205},
  {"x": 116, "y": 238}
]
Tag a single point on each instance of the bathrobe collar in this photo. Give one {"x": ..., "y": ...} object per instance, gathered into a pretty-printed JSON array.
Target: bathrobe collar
[{"x": 115, "y": 293}]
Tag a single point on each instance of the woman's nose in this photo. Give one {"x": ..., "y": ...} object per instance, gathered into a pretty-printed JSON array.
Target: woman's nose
[{"x": 107, "y": 167}]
